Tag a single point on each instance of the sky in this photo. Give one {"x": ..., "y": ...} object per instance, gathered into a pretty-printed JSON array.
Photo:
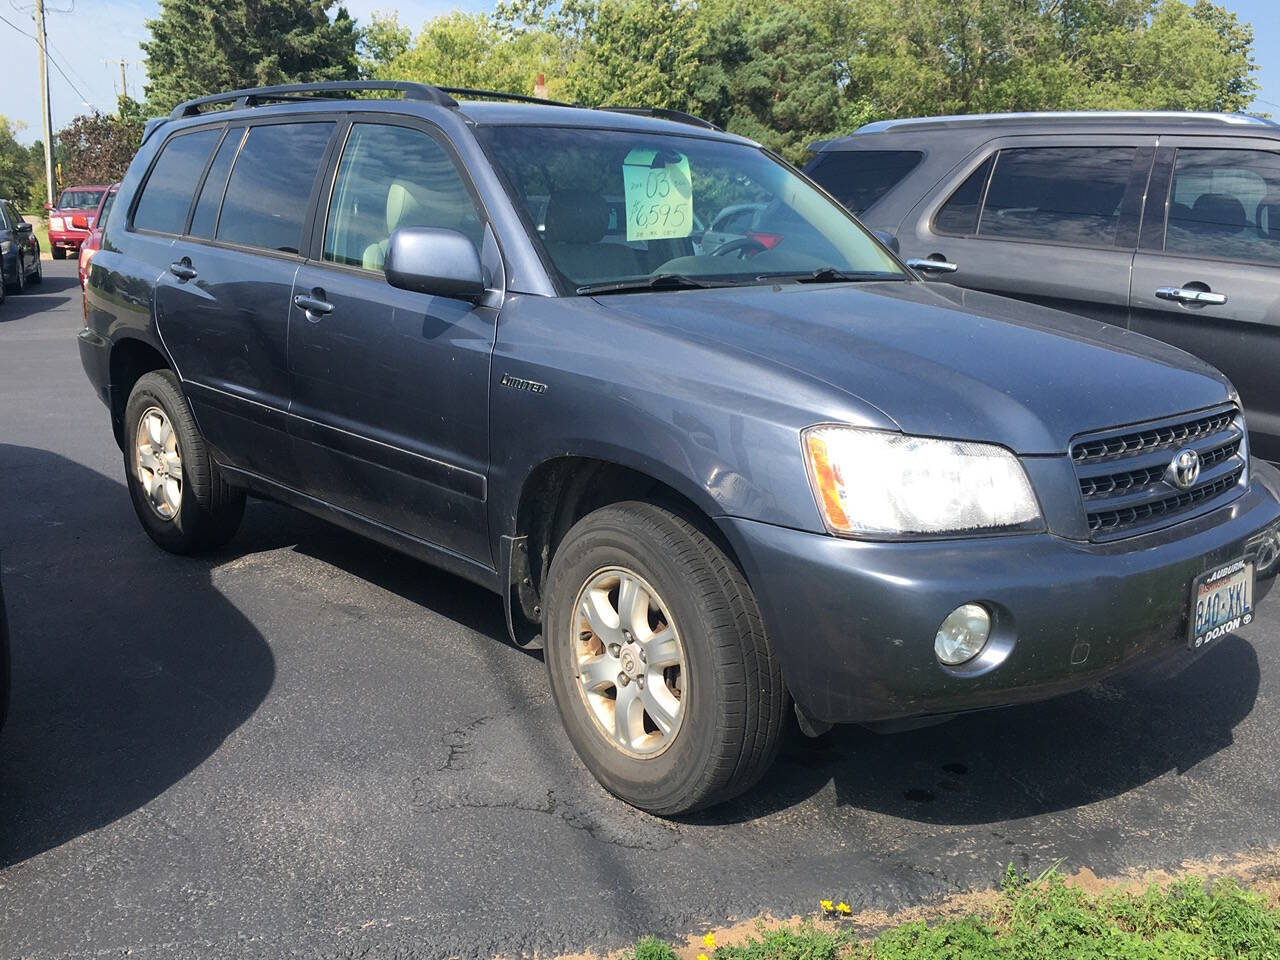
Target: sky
[{"x": 85, "y": 33}]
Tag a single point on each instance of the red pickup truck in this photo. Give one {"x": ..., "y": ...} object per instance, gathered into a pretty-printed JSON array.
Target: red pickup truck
[{"x": 71, "y": 219}]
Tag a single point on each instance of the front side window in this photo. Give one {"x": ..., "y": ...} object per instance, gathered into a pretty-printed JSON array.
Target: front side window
[
  {"x": 624, "y": 208},
  {"x": 270, "y": 185},
  {"x": 166, "y": 196},
  {"x": 1225, "y": 204},
  {"x": 859, "y": 178},
  {"x": 392, "y": 177},
  {"x": 1057, "y": 194}
]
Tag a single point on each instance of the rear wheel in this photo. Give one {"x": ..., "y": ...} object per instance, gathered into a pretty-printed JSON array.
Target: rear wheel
[
  {"x": 180, "y": 497},
  {"x": 659, "y": 662}
]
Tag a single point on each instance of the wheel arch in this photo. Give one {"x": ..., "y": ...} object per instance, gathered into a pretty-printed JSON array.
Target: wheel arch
[
  {"x": 555, "y": 495},
  {"x": 130, "y": 358}
]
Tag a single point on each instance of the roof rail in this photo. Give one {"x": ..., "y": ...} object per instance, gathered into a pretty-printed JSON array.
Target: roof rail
[
  {"x": 1068, "y": 116},
  {"x": 665, "y": 113},
  {"x": 255, "y": 96},
  {"x": 501, "y": 95}
]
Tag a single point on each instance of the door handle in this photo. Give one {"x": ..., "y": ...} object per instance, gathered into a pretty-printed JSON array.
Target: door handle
[
  {"x": 183, "y": 270},
  {"x": 929, "y": 265},
  {"x": 1190, "y": 295},
  {"x": 313, "y": 304}
]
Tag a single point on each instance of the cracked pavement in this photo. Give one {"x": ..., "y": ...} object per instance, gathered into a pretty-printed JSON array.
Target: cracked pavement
[{"x": 310, "y": 746}]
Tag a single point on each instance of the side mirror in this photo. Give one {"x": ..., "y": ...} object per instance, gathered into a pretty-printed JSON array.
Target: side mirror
[
  {"x": 439, "y": 262},
  {"x": 48, "y": 206},
  {"x": 24, "y": 227},
  {"x": 888, "y": 239}
]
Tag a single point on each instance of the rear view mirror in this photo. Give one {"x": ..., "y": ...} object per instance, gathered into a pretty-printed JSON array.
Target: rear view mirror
[
  {"x": 24, "y": 227},
  {"x": 443, "y": 263},
  {"x": 888, "y": 239}
]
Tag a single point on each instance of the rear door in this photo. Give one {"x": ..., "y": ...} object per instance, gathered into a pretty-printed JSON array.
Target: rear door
[
  {"x": 223, "y": 302},
  {"x": 1207, "y": 276},
  {"x": 391, "y": 387},
  {"x": 1053, "y": 220}
]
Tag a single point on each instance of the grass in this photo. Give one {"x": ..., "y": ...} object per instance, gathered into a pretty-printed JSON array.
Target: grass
[
  {"x": 1041, "y": 919},
  {"x": 42, "y": 234}
]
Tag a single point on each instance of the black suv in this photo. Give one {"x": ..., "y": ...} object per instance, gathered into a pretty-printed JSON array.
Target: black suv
[
  {"x": 708, "y": 475},
  {"x": 1157, "y": 222}
]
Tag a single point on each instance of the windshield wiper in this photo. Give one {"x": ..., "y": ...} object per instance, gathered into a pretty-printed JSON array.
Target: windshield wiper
[
  {"x": 832, "y": 275},
  {"x": 663, "y": 281}
]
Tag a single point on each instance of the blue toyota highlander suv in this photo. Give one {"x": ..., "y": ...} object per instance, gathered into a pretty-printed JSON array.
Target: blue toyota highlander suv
[{"x": 717, "y": 479}]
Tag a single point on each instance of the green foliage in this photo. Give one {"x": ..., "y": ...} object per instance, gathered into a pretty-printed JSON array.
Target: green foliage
[
  {"x": 1045, "y": 919},
  {"x": 18, "y": 179},
  {"x": 198, "y": 47},
  {"x": 649, "y": 948},
  {"x": 97, "y": 148}
]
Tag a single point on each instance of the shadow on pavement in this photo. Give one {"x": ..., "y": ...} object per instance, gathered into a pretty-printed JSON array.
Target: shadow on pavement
[
  {"x": 129, "y": 667},
  {"x": 49, "y": 294}
]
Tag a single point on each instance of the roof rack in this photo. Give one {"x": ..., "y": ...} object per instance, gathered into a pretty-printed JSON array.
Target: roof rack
[
  {"x": 665, "y": 113},
  {"x": 1068, "y": 116},
  {"x": 502, "y": 95},
  {"x": 256, "y": 96}
]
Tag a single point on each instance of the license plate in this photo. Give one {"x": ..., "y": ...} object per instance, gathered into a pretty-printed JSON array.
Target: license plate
[{"x": 1221, "y": 602}]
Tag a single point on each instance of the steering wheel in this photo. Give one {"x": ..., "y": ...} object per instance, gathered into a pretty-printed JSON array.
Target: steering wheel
[{"x": 740, "y": 247}]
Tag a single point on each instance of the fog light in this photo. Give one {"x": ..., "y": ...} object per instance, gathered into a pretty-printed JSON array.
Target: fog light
[{"x": 963, "y": 634}]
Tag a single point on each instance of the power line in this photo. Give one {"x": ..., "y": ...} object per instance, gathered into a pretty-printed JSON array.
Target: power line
[{"x": 58, "y": 66}]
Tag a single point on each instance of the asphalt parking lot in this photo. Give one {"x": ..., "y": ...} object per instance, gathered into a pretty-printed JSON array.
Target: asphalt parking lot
[{"x": 307, "y": 745}]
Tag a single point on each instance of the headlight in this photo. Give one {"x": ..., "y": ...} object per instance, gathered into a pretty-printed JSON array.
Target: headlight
[
  {"x": 55, "y": 223},
  {"x": 872, "y": 483}
]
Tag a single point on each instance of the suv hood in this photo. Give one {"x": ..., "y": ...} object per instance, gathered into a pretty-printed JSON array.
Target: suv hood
[{"x": 943, "y": 361}]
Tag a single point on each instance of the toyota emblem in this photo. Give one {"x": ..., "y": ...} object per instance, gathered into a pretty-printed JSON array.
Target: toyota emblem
[{"x": 1184, "y": 470}]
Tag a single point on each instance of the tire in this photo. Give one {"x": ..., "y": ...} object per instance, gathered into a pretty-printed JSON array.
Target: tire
[
  {"x": 203, "y": 511},
  {"x": 20, "y": 283},
  {"x": 58, "y": 253},
  {"x": 728, "y": 685},
  {"x": 39, "y": 272}
]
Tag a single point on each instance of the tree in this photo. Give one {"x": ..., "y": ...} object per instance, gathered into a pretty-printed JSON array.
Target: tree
[
  {"x": 199, "y": 47},
  {"x": 98, "y": 147},
  {"x": 381, "y": 42},
  {"x": 17, "y": 182}
]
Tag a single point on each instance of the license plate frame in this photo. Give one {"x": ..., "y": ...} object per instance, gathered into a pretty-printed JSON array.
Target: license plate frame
[{"x": 1203, "y": 626}]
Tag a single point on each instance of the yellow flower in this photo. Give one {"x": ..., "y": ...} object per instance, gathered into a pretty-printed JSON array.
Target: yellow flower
[
  {"x": 826, "y": 905},
  {"x": 843, "y": 908},
  {"x": 702, "y": 956}
]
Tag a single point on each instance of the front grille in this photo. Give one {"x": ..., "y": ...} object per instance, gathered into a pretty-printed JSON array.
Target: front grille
[{"x": 1123, "y": 473}]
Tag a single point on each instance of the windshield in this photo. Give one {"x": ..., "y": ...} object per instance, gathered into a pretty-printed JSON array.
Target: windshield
[
  {"x": 624, "y": 208},
  {"x": 73, "y": 199}
]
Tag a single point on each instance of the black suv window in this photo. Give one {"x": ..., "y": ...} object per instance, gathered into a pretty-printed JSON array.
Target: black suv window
[
  {"x": 858, "y": 178},
  {"x": 205, "y": 219},
  {"x": 1226, "y": 202},
  {"x": 1057, "y": 194},
  {"x": 959, "y": 215},
  {"x": 166, "y": 198},
  {"x": 390, "y": 177},
  {"x": 270, "y": 185}
]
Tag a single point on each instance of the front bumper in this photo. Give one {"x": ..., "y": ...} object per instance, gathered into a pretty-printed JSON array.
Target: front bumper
[
  {"x": 67, "y": 239},
  {"x": 853, "y": 622}
]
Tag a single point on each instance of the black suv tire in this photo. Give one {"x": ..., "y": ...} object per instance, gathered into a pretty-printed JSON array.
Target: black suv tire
[
  {"x": 731, "y": 695},
  {"x": 209, "y": 510}
]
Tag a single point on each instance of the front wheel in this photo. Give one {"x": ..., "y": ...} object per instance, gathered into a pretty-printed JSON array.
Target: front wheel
[
  {"x": 180, "y": 497},
  {"x": 58, "y": 253},
  {"x": 659, "y": 662}
]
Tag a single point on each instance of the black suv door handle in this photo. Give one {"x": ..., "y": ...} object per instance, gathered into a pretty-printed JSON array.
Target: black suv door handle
[
  {"x": 313, "y": 303},
  {"x": 1191, "y": 295},
  {"x": 183, "y": 270}
]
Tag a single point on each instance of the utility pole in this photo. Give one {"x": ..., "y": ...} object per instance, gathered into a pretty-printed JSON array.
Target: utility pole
[
  {"x": 44, "y": 104},
  {"x": 124, "y": 83}
]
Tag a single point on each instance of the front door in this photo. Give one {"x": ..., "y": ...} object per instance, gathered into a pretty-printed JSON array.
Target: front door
[
  {"x": 1207, "y": 276},
  {"x": 390, "y": 388}
]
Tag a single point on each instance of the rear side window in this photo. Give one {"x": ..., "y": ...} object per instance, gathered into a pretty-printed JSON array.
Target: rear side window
[
  {"x": 1225, "y": 203},
  {"x": 959, "y": 215},
  {"x": 859, "y": 178},
  {"x": 392, "y": 177},
  {"x": 1057, "y": 194},
  {"x": 205, "y": 219},
  {"x": 166, "y": 196},
  {"x": 270, "y": 185}
]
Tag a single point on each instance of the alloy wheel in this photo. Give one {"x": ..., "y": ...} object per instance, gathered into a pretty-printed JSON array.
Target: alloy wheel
[{"x": 159, "y": 462}]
